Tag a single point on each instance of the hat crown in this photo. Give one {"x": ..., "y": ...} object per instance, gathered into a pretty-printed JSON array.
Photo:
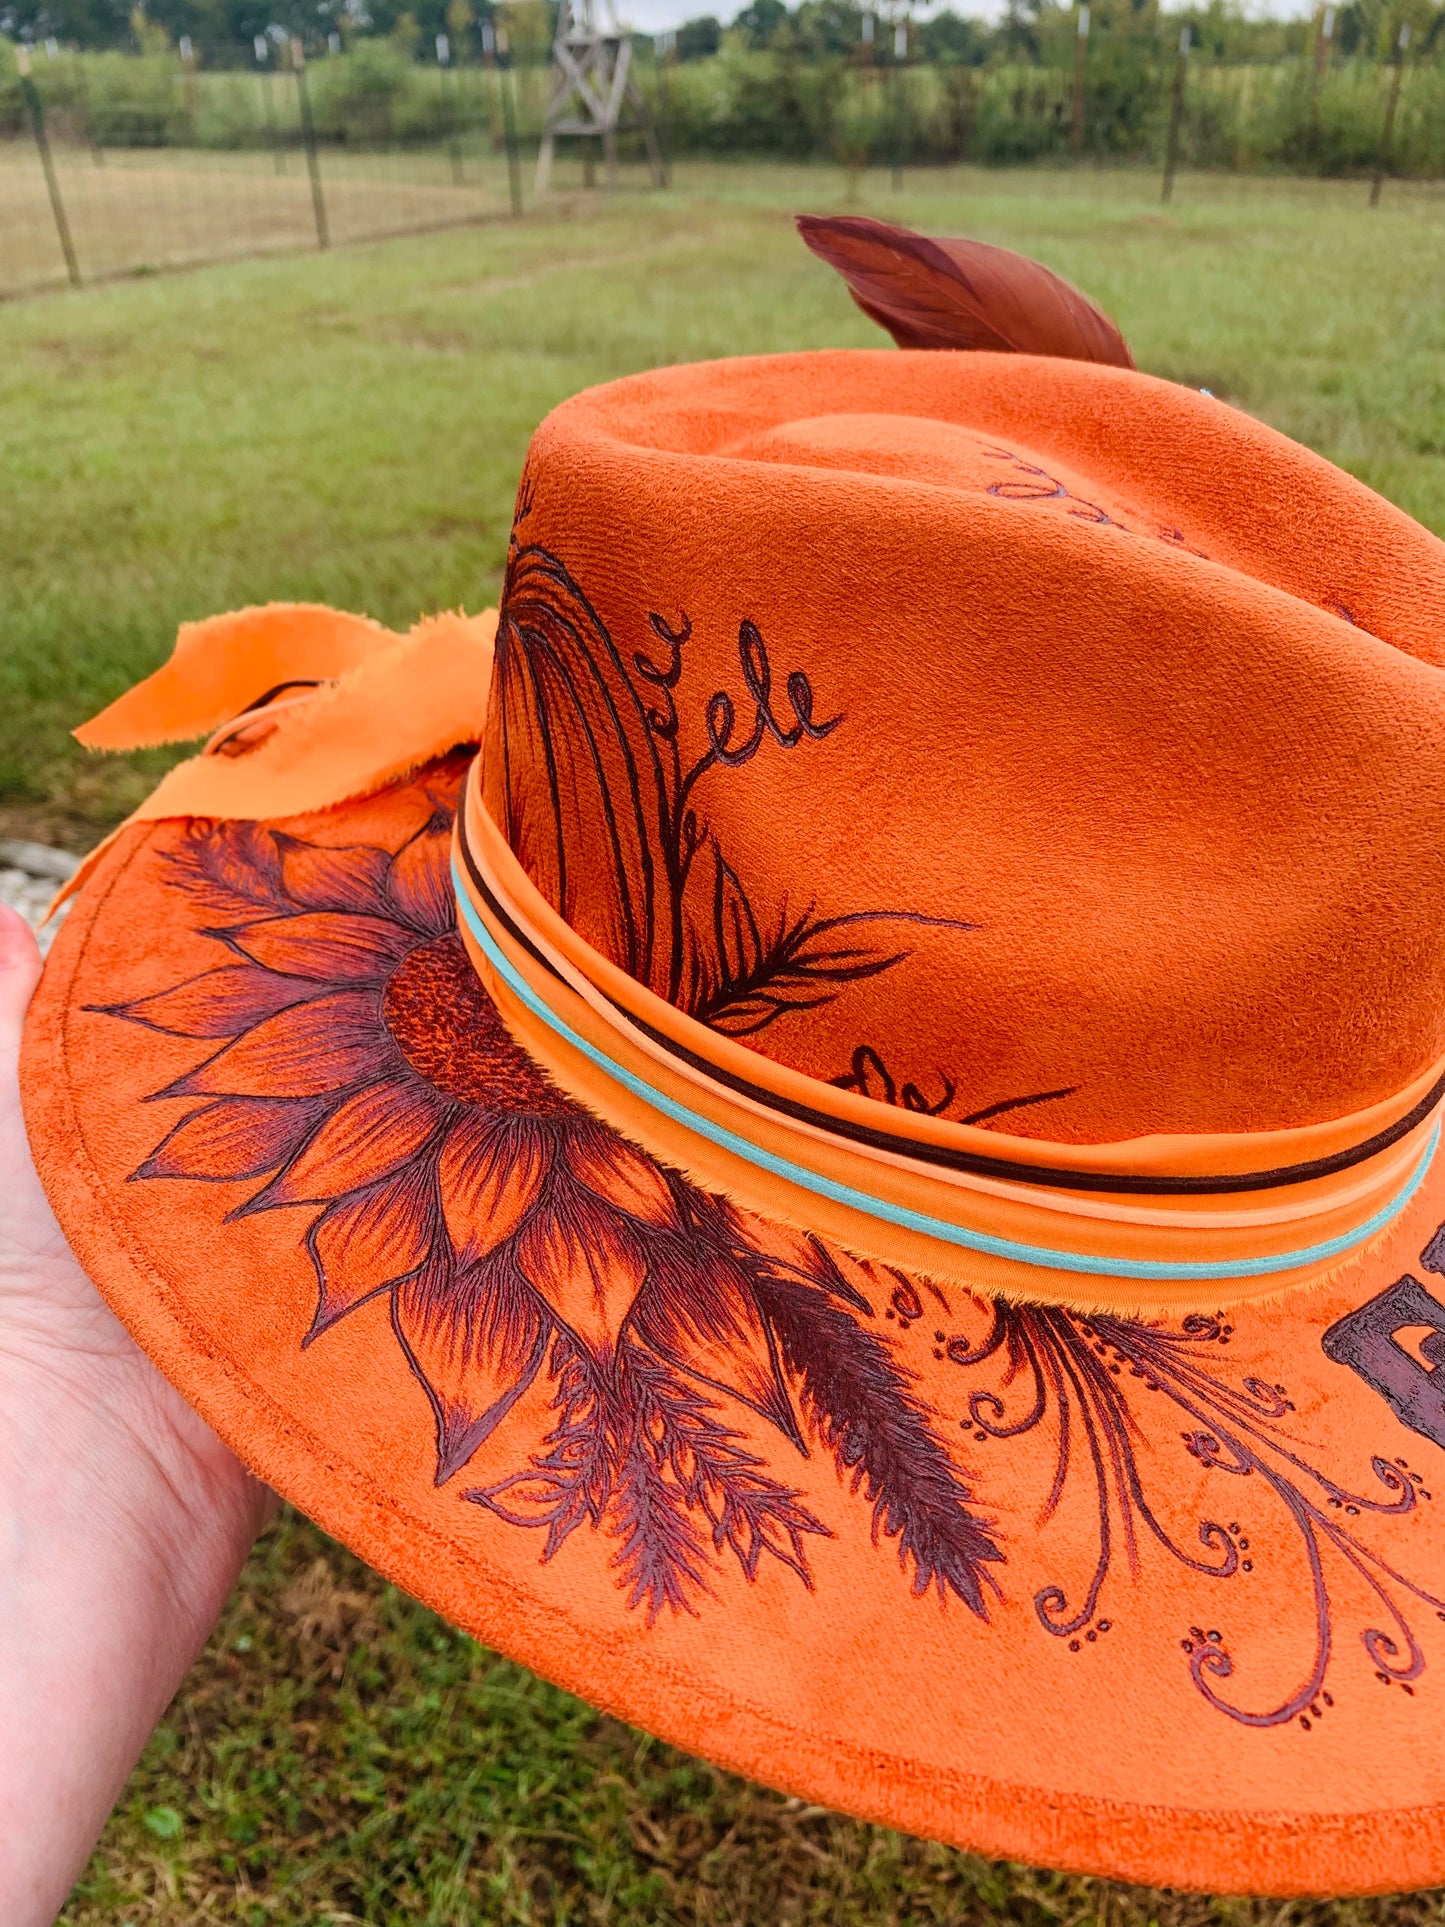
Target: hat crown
[{"x": 980, "y": 733}]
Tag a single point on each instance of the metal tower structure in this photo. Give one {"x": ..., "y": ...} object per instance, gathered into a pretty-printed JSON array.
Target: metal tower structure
[{"x": 594, "y": 96}]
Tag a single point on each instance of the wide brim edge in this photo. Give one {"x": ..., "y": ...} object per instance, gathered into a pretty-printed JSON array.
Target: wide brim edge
[{"x": 1282, "y": 1855}]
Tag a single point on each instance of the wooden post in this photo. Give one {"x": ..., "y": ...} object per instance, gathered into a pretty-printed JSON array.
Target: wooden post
[
  {"x": 1081, "y": 58},
  {"x": 82, "y": 97},
  {"x": 665, "y": 49},
  {"x": 188, "y": 73},
  {"x": 1387, "y": 137},
  {"x": 448, "y": 107},
  {"x": 854, "y": 154},
  {"x": 262, "y": 48},
  {"x": 1323, "y": 39},
  {"x": 900, "y": 100},
  {"x": 42, "y": 141},
  {"x": 509, "y": 120},
  {"x": 308, "y": 136},
  {"x": 1176, "y": 116},
  {"x": 667, "y": 146}
]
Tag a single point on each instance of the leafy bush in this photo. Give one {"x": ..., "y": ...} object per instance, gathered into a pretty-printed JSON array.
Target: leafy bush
[
  {"x": 128, "y": 100},
  {"x": 374, "y": 95}
]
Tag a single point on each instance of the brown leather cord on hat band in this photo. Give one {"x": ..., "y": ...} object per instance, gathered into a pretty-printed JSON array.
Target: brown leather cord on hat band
[
  {"x": 835, "y": 1163},
  {"x": 249, "y": 728}
]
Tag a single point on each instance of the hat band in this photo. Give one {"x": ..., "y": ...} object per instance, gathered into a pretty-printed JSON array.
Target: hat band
[{"x": 1078, "y": 1228}]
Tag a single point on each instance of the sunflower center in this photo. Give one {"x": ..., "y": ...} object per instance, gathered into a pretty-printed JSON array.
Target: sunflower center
[{"x": 448, "y": 1030}]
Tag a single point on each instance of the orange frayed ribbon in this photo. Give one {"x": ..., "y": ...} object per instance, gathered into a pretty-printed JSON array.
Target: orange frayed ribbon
[{"x": 306, "y": 707}]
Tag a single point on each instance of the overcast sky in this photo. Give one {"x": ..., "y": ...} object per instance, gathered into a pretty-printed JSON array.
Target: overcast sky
[{"x": 652, "y": 16}]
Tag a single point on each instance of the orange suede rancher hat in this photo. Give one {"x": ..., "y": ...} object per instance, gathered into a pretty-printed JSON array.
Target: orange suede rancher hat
[{"x": 826, "y": 1128}]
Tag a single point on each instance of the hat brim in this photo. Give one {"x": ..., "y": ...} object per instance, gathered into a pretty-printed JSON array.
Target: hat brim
[{"x": 1163, "y": 1601}]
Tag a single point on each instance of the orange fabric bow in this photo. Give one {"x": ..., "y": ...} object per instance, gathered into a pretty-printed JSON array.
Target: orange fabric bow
[{"x": 309, "y": 706}]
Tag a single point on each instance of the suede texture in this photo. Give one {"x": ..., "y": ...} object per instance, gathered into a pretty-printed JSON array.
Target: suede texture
[{"x": 1146, "y": 696}]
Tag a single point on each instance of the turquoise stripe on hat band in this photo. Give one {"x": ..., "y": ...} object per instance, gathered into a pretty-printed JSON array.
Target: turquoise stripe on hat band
[{"x": 1184, "y": 1270}]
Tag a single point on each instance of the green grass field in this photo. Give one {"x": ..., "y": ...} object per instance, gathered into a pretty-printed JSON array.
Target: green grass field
[{"x": 350, "y": 428}]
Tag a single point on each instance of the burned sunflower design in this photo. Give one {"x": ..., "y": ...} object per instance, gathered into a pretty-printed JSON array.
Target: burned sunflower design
[{"x": 357, "y": 1075}]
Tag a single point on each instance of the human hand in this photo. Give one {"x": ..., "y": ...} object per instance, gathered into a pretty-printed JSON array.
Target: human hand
[{"x": 123, "y": 1523}]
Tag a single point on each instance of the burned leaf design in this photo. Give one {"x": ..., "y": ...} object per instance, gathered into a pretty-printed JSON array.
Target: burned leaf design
[
  {"x": 1090, "y": 1382},
  {"x": 745, "y": 980},
  {"x": 355, "y": 1074},
  {"x": 660, "y": 896}
]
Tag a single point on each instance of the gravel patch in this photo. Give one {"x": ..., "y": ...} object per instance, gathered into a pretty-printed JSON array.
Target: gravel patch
[{"x": 30, "y": 874}]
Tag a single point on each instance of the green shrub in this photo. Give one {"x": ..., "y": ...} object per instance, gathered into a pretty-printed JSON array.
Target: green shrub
[
  {"x": 780, "y": 100},
  {"x": 370, "y": 95},
  {"x": 128, "y": 100}
]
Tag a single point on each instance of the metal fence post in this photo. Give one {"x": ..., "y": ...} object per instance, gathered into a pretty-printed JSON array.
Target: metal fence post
[
  {"x": 308, "y": 135},
  {"x": 1081, "y": 58},
  {"x": 1387, "y": 137},
  {"x": 42, "y": 141},
  {"x": 1176, "y": 116}
]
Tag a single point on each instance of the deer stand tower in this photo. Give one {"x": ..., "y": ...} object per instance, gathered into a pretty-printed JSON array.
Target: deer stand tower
[{"x": 594, "y": 96}]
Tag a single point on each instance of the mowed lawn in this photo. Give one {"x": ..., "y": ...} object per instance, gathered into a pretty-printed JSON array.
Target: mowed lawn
[{"x": 350, "y": 429}]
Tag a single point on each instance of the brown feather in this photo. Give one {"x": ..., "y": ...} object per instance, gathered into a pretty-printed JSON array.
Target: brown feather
[{"x": 961, "y": 294}]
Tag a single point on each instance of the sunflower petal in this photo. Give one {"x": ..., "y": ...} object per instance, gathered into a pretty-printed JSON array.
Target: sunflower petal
[
  {"x": 325, "y": 946},
  {"x": 587, "y": 1264},
  {"x": 220, "y": 1003},
  {"x": 615, "y": 1172},
  {"x": 420, "y": 883},
  {"x": 237, "y": 1137},
  {"x": 370, "y": 1135},
  {"x": 475, "y": 1348},
  {"x": 490, "y": 1174},
  {"x": 707, "y": 1324},
  {"x": 363, "y": 1244},
  {"x": 350, "y": 879},
  {"x": 304, "y": 1051}
]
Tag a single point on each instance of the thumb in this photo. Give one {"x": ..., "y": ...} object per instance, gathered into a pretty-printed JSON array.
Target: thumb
[
  {"x": 19, "y": 974},
  {"x": 34, "y": 1256}
]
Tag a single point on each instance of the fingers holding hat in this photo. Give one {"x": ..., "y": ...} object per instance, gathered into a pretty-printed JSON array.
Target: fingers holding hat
[
  {"x": 20, "y": 1190},
  {"x": 19, "y": 974},
  {"x": 41, "y": 1285}
]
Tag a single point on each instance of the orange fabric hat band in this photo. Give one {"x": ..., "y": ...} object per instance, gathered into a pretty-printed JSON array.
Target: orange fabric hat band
[{"x": 1064, "y": 1223}]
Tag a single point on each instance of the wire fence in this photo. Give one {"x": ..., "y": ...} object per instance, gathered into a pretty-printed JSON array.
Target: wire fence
[{"x": 120, "y": 163}]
